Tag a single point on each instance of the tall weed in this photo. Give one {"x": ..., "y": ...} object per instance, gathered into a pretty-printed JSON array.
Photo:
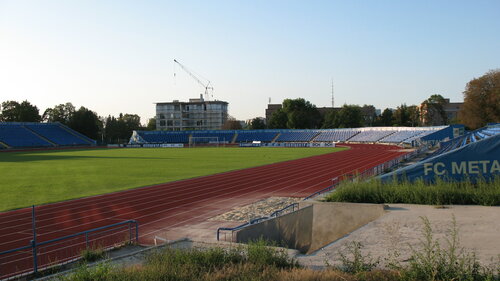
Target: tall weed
[{"x": 440, "y": 193}]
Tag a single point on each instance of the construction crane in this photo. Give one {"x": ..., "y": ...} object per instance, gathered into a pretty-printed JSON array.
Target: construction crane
[{"x": 204, "y": 85}]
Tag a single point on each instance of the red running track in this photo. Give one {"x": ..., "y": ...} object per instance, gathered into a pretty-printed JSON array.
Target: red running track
[{"x": 176, "y": 204}]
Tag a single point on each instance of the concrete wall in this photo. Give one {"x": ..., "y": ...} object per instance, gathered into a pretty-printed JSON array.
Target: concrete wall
[
  {"x": 332, "y": 221},
  {"x": 293, "y": 230},
  {"x": 314, "y": 225}
]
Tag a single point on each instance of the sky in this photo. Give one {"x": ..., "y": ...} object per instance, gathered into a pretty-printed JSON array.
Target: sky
[{"x": 117, "y": 56}]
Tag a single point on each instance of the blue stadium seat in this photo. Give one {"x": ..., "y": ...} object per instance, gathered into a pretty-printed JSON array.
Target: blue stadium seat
[
  {"x": 292, "y": 136},
  {"x": 335, "y": 135},
  {"x": 371, "y": 136},
  {"x": 164, "y": 136},
  {"x": 249, "y": 136},
  {"x": 471, "y": 137},
  {"x": 18, "y": 136},
  {"x": 401, "y": 136},
  {"x": 56, "y": 134}
]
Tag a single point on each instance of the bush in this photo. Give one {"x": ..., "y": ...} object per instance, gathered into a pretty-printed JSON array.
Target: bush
[
  {"x": 92, "y": 254},
  {"x": 259, "y": 253},
  {"x": 353, "y": 261}
]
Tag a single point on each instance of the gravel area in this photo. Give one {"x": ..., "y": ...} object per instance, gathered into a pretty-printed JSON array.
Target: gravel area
[{"x": 257, "y": 209}]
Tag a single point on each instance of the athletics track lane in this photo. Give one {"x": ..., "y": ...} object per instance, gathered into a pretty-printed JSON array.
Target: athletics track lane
[{"x": 161, "y": 207}]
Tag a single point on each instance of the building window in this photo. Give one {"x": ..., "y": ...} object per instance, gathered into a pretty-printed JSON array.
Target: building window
[
  {"x": 162, "y": 123},
  {"x": 170, "y": 122}
]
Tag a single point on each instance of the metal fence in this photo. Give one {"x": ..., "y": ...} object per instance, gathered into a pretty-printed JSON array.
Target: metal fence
[{"x": 41, "y": 255}]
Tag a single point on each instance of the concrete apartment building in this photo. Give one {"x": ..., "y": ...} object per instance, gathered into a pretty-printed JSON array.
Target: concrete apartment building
[{"x": 197, "y": 114}]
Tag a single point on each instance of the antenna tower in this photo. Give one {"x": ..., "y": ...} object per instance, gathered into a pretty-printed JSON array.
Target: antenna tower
[{"x": 333, "y": 101}]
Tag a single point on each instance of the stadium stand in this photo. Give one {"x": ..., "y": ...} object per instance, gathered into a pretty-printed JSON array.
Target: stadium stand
[
  {"x": 473, "y": 161},
  {"x": 403, "y": 136},
  {"x": 162, "y": 137},
  {"x": 18, "y": 136},
  {"x": 335, "y": 135},
  {"x": 394, "y": 135},
  {"x": 371, "y": 135},
  {"x": 256, "y": 135},
  {"x": 293, "y": 136},
  {"x": 205, "y": 137},
  {"x": 56, "y": 134},
  {"x": 28, "y": 135},
  {"x": 417, "y": 137},
  {"x": 471, "y": 137}
]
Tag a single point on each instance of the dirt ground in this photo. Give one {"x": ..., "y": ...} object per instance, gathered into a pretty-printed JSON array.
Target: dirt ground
[{"x": 401, "y": 228}]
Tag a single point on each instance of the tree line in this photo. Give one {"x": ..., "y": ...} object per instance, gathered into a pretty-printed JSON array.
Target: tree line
[
  {"x": 108, "y": 129},
  {"x": 481, "y": 106},
  {"x": 301, "y": 114}
]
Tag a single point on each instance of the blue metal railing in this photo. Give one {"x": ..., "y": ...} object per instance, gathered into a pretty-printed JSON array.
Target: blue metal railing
[
  {"x": 21, "y": 266},
  {"x": 277, "y": 213}
]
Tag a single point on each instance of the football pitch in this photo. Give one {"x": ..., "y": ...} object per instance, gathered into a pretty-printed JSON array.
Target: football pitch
[{"x": 37, "y": 177}]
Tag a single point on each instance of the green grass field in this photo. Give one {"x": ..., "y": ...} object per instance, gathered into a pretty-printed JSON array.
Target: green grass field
[{"x": 39, "y": 177}]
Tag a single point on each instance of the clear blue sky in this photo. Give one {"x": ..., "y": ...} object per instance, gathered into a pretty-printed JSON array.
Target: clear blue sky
[{"x": 117, "y": 56}]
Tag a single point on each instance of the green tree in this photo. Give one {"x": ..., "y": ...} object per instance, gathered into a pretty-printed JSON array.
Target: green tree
[
  {"x": 132, "y": 122},
  {"x": 119, "y": 130},
  {"x": 401, "y": 116},
  {"x": 257, "y": 124},
  {"x": 296, "y": 114},
  {"x": 301, "y": 114},
  {"x": 369, "y": 115},
  {"x": 87, "y": 122},
  {"x": 151, "y": 124},
  {"x": 414, "y": 116},
  {"x": 329, "y": 122},
  {"x": 60, "y": 113},
  {"x": 111, "y": 130},
  {"x": 481, "y": 101},
  {"x": 433, "y": 111},
  {"x": 349, "y": 116},
  {"x": 385, "y": 119},
  {"x": 12, "y": 111},
  {"x": 278, "y": 120}
]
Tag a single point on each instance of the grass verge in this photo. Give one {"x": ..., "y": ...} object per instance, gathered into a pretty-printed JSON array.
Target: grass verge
[
  {"x": 440, "y": 193},
  {"x": 430, "y": 261}
]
